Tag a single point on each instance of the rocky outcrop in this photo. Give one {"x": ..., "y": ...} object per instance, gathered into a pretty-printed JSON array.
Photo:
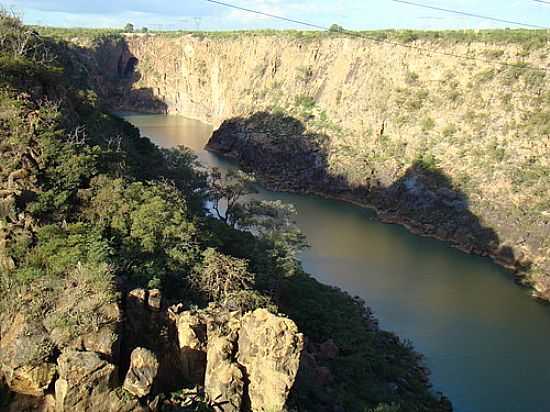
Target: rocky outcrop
[
  {"x": 191, "y": 331},
  {"x": 85, "y": 382},
  {"x": 269, "y": 350},
  {"x": 239, "y": 362},
  {"x": 142, "y": 372},
  {"x": 25, "y": 352},
  {"x": 32, "y": 380},
  {"x": 224, "y": 380},
  {"x": 250, "y": 361}
]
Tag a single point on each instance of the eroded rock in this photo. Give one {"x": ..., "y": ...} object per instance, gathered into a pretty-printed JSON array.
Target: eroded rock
[
  {"x": 192, "y": 343},
  {"x": 85, "y": 382},
  {"x": 269, "y": 349},
  {"x": 154, "y": 300},
  {"x": 142, "y": 372},
  {"x": 224, "y": 381},
  {"x": 32, "y": 380},
  {"x": 254, "y": 357},
  {"x": 24, "y": 352}
]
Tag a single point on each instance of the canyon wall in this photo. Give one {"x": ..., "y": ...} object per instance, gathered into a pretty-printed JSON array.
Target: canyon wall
[{"x": 457, "y": 149}]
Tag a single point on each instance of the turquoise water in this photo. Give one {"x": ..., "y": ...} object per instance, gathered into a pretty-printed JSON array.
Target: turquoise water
[{"x": 485, "y": 340}]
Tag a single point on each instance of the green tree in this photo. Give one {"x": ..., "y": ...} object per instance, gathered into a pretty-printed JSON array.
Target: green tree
[
  {"x": 273, "y": 222},
  {"x": 336, "y": 28},
  {"x": 227, "y": 193},
  {"x": 129, "y": 28},
  {"x": 144, "y": 29},
  {"x": 270, "y": 221}
]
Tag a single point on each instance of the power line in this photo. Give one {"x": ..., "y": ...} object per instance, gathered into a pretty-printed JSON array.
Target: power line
[
  {"x": 380, "y": 41},
  {"x": 542, "y": 1},
  {"x": 463, "y": 13}
]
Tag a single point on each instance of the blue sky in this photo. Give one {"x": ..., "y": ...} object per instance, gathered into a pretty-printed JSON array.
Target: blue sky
[{"x": 352, "y": 14}]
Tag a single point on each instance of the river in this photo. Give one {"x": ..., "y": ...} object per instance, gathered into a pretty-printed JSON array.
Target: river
[{"x": 485, "y": 340}]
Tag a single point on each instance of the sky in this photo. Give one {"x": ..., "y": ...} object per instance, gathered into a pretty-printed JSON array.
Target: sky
[{"x": 351, "y": 14}]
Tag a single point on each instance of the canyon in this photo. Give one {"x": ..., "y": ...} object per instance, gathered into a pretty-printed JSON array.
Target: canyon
[
  {"x": 453, "y": 148},
  {"x": 107, "y": 252}
]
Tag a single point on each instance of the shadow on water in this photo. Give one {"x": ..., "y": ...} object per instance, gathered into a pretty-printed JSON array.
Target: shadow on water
[
  {"x": 484, "y": 339},
  {"x": 288, "y": 157}
]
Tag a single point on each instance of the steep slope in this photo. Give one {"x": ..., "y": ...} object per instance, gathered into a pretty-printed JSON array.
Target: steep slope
[
  {"x": 106, "y": 250},
  {"x": 373, "y": 120}
]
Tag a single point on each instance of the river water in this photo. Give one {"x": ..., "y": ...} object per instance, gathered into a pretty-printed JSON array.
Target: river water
[{"x": 485, "y": 340}]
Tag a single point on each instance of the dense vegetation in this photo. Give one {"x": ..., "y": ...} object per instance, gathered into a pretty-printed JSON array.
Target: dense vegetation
[{"x": 85, "y": 200}]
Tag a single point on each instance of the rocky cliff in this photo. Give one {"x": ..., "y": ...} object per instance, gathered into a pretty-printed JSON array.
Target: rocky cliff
[{"x": 454, "y": 148}]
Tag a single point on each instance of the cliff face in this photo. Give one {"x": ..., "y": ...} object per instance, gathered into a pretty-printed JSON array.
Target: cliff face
[{"x": 375, "y": 115}]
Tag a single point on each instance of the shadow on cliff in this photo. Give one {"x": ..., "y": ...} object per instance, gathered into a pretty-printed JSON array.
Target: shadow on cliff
[
  {"x": 287, "y": 157},
  {"x": 114, "y": 75}
]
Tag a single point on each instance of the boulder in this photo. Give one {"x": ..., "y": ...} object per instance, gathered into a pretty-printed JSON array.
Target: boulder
[
  {"x": 191, "y": 331},
  {"x": 269, "y": 350},
  {"x": 85, "y": 382},
  {"x": 224, "y": 383},
  {"x": 24, "y": 350},
  {"x": 32, "y": 380},
  {"x": 142, "y": 372}
]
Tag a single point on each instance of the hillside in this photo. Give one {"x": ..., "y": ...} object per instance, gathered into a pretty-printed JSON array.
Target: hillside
[
  {"x": 119, "y": 291},
  {"x": 453, "y": 148}
]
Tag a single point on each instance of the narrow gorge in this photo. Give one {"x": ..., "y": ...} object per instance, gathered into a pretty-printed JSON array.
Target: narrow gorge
[
  {"x": 121, "y": 291},
  {"x": 454, "y": 149}
]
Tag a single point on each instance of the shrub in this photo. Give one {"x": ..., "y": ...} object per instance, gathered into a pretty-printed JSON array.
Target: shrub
[
  {"x": 305, "y": 102},
  {"x": 411, "y": 78},
  {"x": 427, "y": 124},
  {"x": 335, "y": 28},
  {"x": 220, "y": 276}
]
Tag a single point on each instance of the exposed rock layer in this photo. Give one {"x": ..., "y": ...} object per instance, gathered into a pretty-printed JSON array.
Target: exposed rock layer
[{"x": 371, "y": 113}]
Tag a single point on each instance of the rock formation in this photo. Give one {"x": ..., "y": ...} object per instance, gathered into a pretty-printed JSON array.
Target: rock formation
[
  {"x": 248, "y": 358},
  {"x": 85, "y": 382},
  {"x": 244, "y": 362},
  {"x": 269, "y": 350},
  {"x": 142, "y": 372}
]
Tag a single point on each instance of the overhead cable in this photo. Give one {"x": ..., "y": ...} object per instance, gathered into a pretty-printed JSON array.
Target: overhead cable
[
  {"x": 378, "y": 40},
  {"x": 464, "y": 13}
]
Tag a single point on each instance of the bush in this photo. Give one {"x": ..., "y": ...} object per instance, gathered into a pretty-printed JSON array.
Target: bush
[
  {"x": 222, "y": 277},
  {"x": 305, "y": 102},
  {"x": 427, "y": 124},
  {"x": 335, "y": 28}
]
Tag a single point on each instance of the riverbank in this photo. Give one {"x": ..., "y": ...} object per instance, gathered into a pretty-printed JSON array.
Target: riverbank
[
  {"x": 423, "y": 199},
  {"x": 475, "y": 327},
  {"x": 374, "y": 115}
]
